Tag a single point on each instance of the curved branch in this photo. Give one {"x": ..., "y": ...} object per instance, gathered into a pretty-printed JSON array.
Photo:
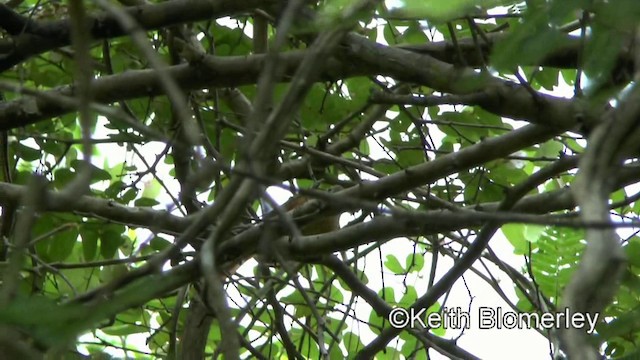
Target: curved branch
[{"x": 596, "y": 281}]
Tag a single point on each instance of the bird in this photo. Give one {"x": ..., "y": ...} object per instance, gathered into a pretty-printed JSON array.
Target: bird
[
  {"x": 322, "y": 225},
  {"x": 319, "y": 224}
]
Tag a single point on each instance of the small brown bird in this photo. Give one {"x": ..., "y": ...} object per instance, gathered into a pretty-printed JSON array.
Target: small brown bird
[{"x": 318, "y": 226}]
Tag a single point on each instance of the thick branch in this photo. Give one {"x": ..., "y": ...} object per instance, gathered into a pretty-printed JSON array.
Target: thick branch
[
  {"x": 33, "y": 37},
  {"x": 362, "y": 57},
  {"x": 103, "y": 209}
]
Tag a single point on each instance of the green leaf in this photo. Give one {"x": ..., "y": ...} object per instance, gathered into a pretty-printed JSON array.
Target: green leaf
[
  {"x": 387, "y": 294},
  {"x": 549, "y": 149},
  {"x": 414, "y": 34},
  {"x": 305, "y": 341},
  {"x": 436, "y": 308},
  {"x": 129, "y": 195},
  {"x": 352, "y": 342},
  {"x": 359, "y": 90},
  {"x": 332, "y": 10},
  {"x": 62, "y": 177},
  {"x": 390, "y": 34},
  {"x": 151, "y": 189},
  {"x": 89, "y": 243},
  {"x": 97, "y": 174},
  {"x": 547, "y": 78},
  {"x": 410, "y": 296},
  {"x": 131, "y": 316},
  {"x": 533, "y": 232},
  {"x": 299, "y": 304},
  {"x": 633, "y": 251},
  {"x": 600, "y": 53},
  {"x": 364, "y": 148},
  {"x": 27, "y": 153},
  {"x": 412, "y": 346},
  {"x": 414, "y": 262},
  {"x": 453, "y": 124},
  {"x": 625, "y": 325},
  {"x": 394, "y": 265},
  {"x": 408, "y": 158},
  {"x": 515, "y": 234},
  {"x": 48, "y": 327},
  {"x": 146, "y": 202},
  {"x": 527, "y": 43},
  {"x": 159, "y": 340},
  {"x": 386, "y": 166},
  {"x": 61, "y": 245},
  {"x": 569, "y": 76},
  {"x": 159, "y": 244},
  {"x": 114, "y": 189},
  {"x": 336, "y": 295},
  {"x": 110, "y": 241},
  {"x": 376, "y": 322}
]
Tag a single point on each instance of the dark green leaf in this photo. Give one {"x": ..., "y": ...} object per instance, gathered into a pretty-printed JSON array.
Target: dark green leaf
[
  {"x": 89, "y": 243},
  {"x": 110, "y": 241}
]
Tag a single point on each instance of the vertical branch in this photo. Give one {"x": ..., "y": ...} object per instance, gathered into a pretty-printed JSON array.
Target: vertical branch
[
  {"x": 260, "y": 33},
  {"x": 596, "y": 281},
  {"x": 32, "y": 201},
  {"x": 8, "y": 211},
  {"x": 80, "y": 40}
]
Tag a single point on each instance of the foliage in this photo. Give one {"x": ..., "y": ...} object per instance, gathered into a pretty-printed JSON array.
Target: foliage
[{"x": 441, "y": 123}]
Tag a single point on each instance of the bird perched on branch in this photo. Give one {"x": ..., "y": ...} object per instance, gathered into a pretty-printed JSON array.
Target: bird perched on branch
[
  {"x": 322, "y": 225},
  {"x": 318, "y": 224}
]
